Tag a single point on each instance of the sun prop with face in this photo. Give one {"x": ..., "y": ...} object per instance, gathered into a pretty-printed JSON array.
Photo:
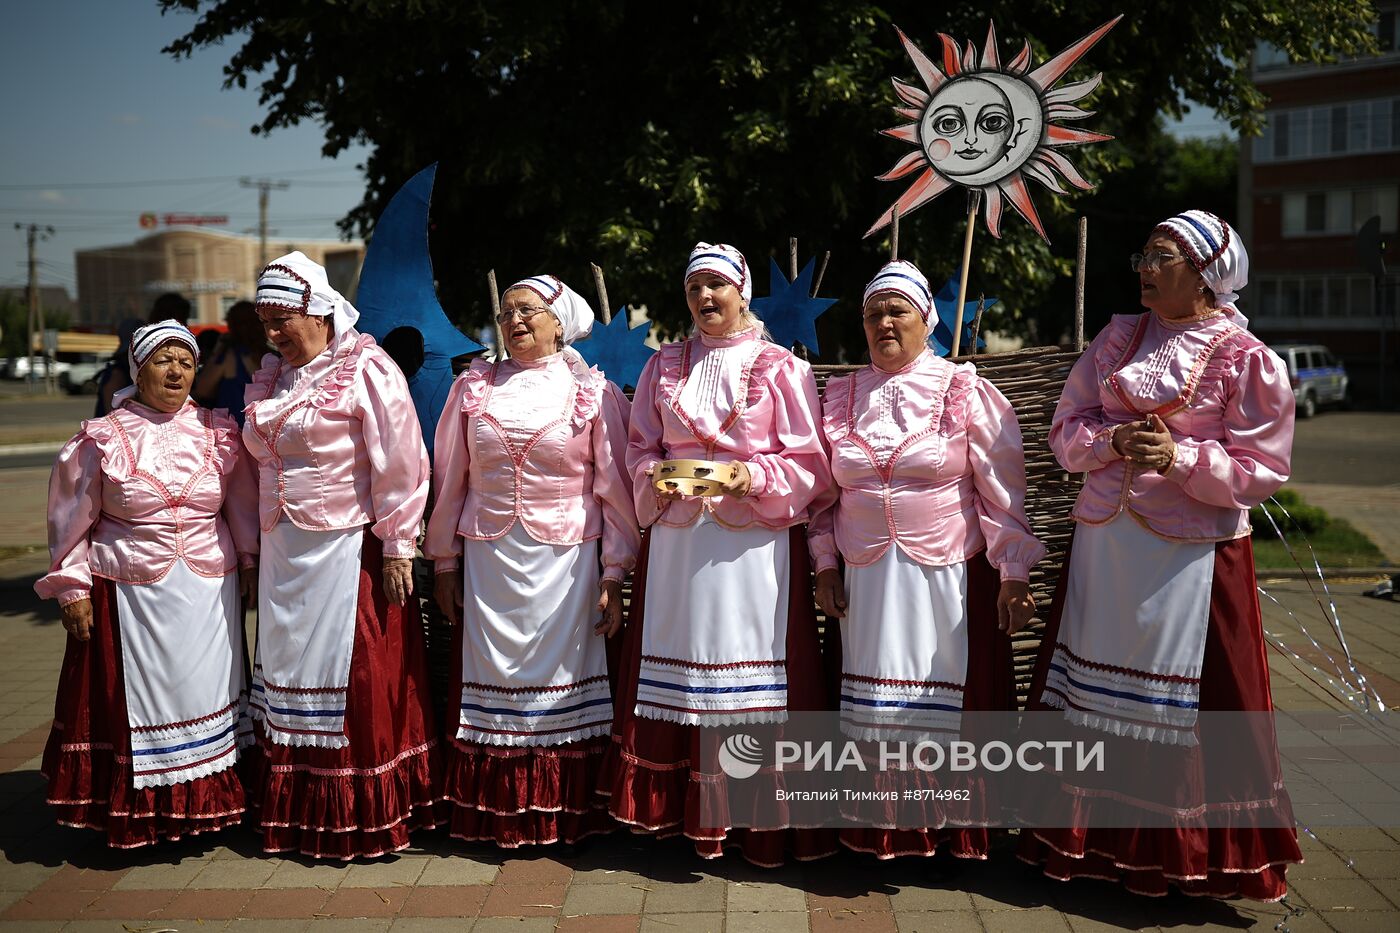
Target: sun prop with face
[{"x": 990, "y": 126}]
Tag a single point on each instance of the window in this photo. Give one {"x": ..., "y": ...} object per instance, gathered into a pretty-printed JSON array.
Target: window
[
  {"x": 1338, "y": 130},
  {"x": 1330, "y": 130},
  {"x": 1281, "y": 135},
  {"x": 1339, "y": 211},
  {"x": 1337, "y": 295},
  {"x": 1316, "y": 213}
]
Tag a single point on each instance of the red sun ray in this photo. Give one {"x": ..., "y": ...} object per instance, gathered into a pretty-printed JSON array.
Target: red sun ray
[
  {"x": 969, "y": 61},
  {"x": 952, "y": 55},
  {"x": 1072, "y": 92},
  {"x": 1069, "y": 136},
  {"x": 1065, "y": 167},
  {"x": 909, "y": 94},
  {"x": 1040, "y": 173},
  {"x": 904, "y": 166},
  {"x": 907, "y": 132},
  {"x": 1047, "y": 74},
  {"x": 913, "y": 113},
  {"x": 1014, "y": 186},
  {"x": 991, "y": 199},
  {"x": 928, "y": 71},
  {"x": 990, "y": 60},
  {"x": 1021, "y": 62},
  {"x": 925, "y": 188}
]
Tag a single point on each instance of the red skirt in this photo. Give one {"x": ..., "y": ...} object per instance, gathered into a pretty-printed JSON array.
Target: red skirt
[
  {"x": 364, "y": 799},
  {"x": 991, "y": 685},
  {"x": 87, "y": 760},
  {"x": 522, "y": 795},
  {"x": 1244, "y": 859},
  {"x": 651, "y": 770}
]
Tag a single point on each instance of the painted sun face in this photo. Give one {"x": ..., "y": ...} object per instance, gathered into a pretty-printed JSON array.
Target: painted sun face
[{"x": 981, "y": 123}]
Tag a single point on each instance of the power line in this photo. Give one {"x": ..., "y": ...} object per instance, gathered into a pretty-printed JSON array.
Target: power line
[{"x": 160, "y": 182}]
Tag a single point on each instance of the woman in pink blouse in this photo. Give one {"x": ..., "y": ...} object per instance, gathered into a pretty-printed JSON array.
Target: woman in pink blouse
[
  {"x": 931, "y": 525},
  {"x": 722, "y": 630},
  {"x": 532, "y": 496},
  {"x": 348, "y": 761},
  {"x": 151, "y": 512},
  {"x": 1181, "y": 420}
]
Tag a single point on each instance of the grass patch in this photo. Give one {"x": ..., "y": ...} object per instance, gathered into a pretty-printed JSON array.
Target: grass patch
[{"x": 1337, "y": 544}]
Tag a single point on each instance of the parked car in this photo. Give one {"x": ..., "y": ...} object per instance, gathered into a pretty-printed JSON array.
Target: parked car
[
  {"x": 1318, "y": 377},
  {"x": 81, "y": 376},
  {"x": 18, "y": 367}
]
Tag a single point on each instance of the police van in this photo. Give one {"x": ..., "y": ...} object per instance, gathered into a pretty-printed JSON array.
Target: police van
[{"x": 1318, "y": 378}]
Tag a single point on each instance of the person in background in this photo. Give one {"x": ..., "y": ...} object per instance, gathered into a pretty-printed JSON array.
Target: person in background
[{"x": 229, "y": 368}]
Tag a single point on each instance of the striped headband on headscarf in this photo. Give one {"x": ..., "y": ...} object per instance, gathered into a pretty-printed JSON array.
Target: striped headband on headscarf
[
  {"x": 296, "y": 283},
  {"x": 574, "y": 313},
  {"x": 903, "y": 279},
  {"x": 147, "y": 340},
  {"x": 722, "y": 260},
  {"x": 1214, "y": 250}
]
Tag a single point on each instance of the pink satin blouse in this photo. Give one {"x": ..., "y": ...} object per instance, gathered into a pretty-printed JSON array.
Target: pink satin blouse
[
  {"x": 139, "y": 489},
  {"x": 729, "y": 398},
  {"x": 338, "y": 445},
  {"x": 540, "y": 442},
  {"x": 1222, "y": 393},
  {"x": 928, "y": 458}
]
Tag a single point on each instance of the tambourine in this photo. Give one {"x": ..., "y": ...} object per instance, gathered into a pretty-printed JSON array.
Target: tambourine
[{"x": 689, "y": 477}]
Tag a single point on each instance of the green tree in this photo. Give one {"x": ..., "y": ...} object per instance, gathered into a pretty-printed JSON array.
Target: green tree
[{"x": 622, "y": 132}]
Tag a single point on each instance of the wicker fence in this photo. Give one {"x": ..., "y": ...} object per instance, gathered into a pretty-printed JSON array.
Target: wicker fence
[{"x": 1031, "y": 379}]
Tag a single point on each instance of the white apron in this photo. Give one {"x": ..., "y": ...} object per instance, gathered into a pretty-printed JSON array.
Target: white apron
[
  {"x": 308, "y": 591},
  {"x": 533, "y": 671},
  {"x": 182, "y": 664}
]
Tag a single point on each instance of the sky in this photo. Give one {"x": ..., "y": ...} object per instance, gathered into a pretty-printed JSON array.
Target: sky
[{"x": 88, "y": 98}]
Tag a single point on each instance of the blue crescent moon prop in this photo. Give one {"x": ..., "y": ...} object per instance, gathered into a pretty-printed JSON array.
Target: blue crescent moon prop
[
  {"x": 945, "y": 303},
  {"x": 790, "y": 312},
  {"x": 617, "y": 349},
  {"x": 396, "y": 290}
]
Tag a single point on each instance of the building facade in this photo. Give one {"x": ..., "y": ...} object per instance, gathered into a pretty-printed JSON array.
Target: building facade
[
  {"x": 210, "y": 268},
  {"x": 1328, "y": 161}
]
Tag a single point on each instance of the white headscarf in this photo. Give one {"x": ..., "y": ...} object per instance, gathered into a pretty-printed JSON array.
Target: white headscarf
[
  {"x": 295, "y": 283},
  {"x": 725, "y": 261},
  {"x": 905, "y": 280},
  {"x": 1213, "y": 247},
  {"x": 147, "y": 340},
  {"x": 574, "y": 313}
]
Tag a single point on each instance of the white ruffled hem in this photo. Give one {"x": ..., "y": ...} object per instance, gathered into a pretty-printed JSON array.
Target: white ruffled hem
[
  {"x": 711, "y": 719},
  {"x": 171, "y": 778},
  {"x": 1105, "y": 722},
  {"x": 468, "y": 734}
]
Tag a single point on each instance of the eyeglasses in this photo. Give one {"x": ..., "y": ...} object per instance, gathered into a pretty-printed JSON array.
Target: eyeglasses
[
  {"x": 525, "y": 314},
  {"x": 1152, "y": 262}
]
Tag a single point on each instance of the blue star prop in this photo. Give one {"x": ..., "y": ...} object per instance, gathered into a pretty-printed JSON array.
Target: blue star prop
[
  {"x": 396, "y": 290},
  {"x": 619, "y": 350},
  {"x": 945, "y": 303},
  {"x": 790, "y": 312}
]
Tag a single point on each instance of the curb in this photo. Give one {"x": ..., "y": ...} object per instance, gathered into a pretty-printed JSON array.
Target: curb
[{"x": 43, "y": 447}]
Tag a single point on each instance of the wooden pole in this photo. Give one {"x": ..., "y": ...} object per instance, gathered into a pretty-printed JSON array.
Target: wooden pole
[
  {"x": 792, "y": 259},
  {"x": 495, "y": 316},
  {"x": 602, "y": 288},
  {"x": 894, "y": 234},
  {"x": 1079, "y": 269},
  {"x": 977, "y": 324},
  {"x": 821, "y": 271},
  {"x": 974, "y": 201}
]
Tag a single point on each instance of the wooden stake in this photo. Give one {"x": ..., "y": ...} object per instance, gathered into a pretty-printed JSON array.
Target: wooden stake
[
  {"x": 974, "y": 201},
  {"x": 495, "y": 315},
  {"x": 792, "y": 259},
  {"x": 602, "y": 288},
  {"x": 977, "y": 324},
  {"x": 821, "y": 271},
  {"x": 1079, "y": 270},
  {"x": 894, "y": 234}
]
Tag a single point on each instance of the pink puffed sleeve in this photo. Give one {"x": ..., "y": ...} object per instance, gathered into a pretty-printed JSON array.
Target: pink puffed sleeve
[
  {"x": 998, "y": 463},
  {"x": 1080, "y": 437},
  {"x": 75, "y": 504},
  {"x": 399, "y": 472},
  {"x": 241, "y": 506},
  {"x": 644, "y": 448},
  {"x": 789, "y": 480},
  {"x": 612, "y": 484},
  {"x": 1254, "y": 459},
  {"x": 441, "y": 544}
]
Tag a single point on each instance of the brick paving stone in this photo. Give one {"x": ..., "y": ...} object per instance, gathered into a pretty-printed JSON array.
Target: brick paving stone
[
  {"x": 159, "y": 877},
  {"x": 523, "y": 900},
  {"x": 284, "y": 903},
  {"x": 608, "y": 876},
  {"x": 681, "y": 923},
  {"x": 1320, "y": 864},
  {"x": 603, "y": 899},
  {"x": 384, "y": 872},
  {"x": 744, "y": 896},
  {"x": 767, "y": 922},
  {"x": 31, "y": 926},
  {"x": 1362, "y": 921},
  {"x": 458, "y": 870},
  {"x": 599, "y": 923},
  {"x": 73, "y": 878},
  {"x": 957, "y": 921},
  {"x": 24, "y": 876},
  {"x": 1034, "y": 920},
  {"x": 205, "y": 905},
  {"x": 427, "y": 925},
  {"x": 263, "y": 925},
  {"x": 696, "y": 898},
  {"x": 513, "y": 925},
  {"x": 463, "y": 901},
  {"x": 242, "y": 874},
  {"x": 365, "y": 902},
  {"x": 127, "y": 905},
  {"x": 360, "y": 925},
  {"x": 1341, "y": 893},
  {"x": 926, "y": 900},
  {"x": 42, "y": 904},
  {"x": 867, "y": 921},
  {"x": 290, "y": 874},
  {"x": 842, "y": 902},
  {"x": 534, "y": 871}
]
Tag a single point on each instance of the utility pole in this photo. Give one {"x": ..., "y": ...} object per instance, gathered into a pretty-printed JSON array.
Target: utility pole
[
  {"x": 34, "y": 233},
  {"x": 264, "y": 185}
]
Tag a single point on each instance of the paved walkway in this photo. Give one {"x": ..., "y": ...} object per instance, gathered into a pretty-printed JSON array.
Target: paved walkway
[{"x": 53, "y": 878}]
